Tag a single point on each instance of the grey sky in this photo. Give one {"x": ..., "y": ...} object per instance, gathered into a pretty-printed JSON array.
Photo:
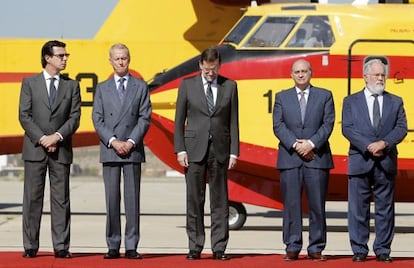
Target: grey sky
[{"x": 70, "y": 19}]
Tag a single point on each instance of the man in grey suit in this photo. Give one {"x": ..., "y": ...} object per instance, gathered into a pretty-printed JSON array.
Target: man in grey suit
[
  {"x": 374, "y": 122},
  {"x": 303, "y": 119},
  {"x": 206, "y": 141},
  {"x": 49, "y": 112},
  {"x": 121, "y": 116}
]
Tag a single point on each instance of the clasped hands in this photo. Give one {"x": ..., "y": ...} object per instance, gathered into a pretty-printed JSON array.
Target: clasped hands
[
  {"x": 304, "y": 149},
  {"x": 49, "y": 142},
  {"x": 122, "y": 148},
  {"x": 377, "y": 148}
]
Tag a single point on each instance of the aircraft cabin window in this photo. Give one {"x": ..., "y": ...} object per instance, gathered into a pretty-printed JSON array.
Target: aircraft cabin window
[
  {"x": 272, "y": 32},
  {"x": 315, "y": 31},
  {"x": 241, "y": 29}
]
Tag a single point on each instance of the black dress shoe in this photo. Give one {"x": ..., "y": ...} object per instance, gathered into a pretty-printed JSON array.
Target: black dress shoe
[
  {"x": 132, "y": 254},
  {"x": 317, "y": 256},
  {"x": 359, "y": 257},
  {"x": 291, "y": 256},
  {"x": 219, "y": 255},
  {"x": 193, "y": 255},
  {"x": 29, "y": 253},
  {"x": 64, "y": 254},
  {"x": 384, "y": 258},
  {"x": 112, "y": 254}
]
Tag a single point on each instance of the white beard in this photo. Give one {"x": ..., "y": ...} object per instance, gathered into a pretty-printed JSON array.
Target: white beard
[{"x": 377, "y": 88}]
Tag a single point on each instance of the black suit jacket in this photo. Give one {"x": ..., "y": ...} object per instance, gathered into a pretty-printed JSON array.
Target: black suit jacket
[{"x": 194, "y": 125}]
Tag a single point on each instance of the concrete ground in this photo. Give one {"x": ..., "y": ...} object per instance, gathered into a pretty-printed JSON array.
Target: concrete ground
[{"x": 163, "y": 221}]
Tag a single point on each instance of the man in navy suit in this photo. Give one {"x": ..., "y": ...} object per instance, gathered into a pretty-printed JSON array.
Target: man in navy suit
[
  {"x": 303, "y": 119},
  {"x": 121, "y": 116},
  {"x": 373, "y": 134},
  {"x": 206, "y": 141}
]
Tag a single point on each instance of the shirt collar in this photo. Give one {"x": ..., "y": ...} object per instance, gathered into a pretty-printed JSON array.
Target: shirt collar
[
  {"x": 298, "y": 90},
  {"x": 368, "y": 93},
  {"x": 205, "y": 82},
  {"x": 116, "y": 77},
  {"x": 48, "y": 76}
]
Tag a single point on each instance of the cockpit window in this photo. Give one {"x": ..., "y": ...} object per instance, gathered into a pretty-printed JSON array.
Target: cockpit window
[
  {"x": 315, "y": 31},
  {"x": 242, "y": 28},
  {"x": 272, "y": 32}
]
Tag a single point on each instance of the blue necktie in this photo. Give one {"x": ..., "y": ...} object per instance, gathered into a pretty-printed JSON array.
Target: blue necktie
[{"x": 52, "y": 92}]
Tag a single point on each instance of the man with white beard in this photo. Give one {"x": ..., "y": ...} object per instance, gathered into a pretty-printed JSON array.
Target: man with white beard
[{"x": 374, "y": 122}]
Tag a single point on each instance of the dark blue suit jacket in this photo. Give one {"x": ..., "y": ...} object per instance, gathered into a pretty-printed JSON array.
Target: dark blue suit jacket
[
  {"x": 357, "y": 128},
  {"x": 318, "y": 126}
]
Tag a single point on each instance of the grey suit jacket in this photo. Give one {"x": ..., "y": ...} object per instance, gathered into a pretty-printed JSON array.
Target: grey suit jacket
[
  {"x": 129, "y": 120},
  {"x": 318, "y": 126},
  {"x": 38, "y": 119},
  {"x": 193, "y": 124},
  {"x": 357, "y": 128}
]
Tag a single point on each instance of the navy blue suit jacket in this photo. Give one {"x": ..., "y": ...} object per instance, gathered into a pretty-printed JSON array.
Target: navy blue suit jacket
[
  {"x": 317, "y": 127},
  {"x": 357, "y": 128}
]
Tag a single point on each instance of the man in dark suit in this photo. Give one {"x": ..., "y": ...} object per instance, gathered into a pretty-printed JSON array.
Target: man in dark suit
[
  {"x": 303, "y": 119},
  {"x": 49, "y": 112},
  {"x": 374, "y": 122},
  {"x": 121, "y": 116},
  {"x": 206, "y": 141}
]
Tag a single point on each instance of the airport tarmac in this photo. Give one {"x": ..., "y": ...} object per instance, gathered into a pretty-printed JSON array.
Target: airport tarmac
[{"x": 163, "y": 222}]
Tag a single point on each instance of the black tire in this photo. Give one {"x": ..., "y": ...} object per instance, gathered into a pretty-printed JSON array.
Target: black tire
[{"x": 237, "y": 215}]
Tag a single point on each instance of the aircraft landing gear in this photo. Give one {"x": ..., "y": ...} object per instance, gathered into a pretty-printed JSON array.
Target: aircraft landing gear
[{"x": 237, "y": 215}]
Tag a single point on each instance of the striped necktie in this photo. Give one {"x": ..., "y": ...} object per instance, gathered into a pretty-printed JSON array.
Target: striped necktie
[{"x": 210, "y": 99}]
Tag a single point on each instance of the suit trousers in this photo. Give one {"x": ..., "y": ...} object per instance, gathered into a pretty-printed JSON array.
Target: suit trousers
[
  {"x": 195, "y": 176},
  {"x": 315, "y": 182},
  {"x": 361, "y": 188},
  {"x": 132, "y": 182},
  {"x": 34, "y": 186}
]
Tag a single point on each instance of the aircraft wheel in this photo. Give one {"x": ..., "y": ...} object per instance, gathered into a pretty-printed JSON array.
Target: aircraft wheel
[{"x": 237, "y": 215}]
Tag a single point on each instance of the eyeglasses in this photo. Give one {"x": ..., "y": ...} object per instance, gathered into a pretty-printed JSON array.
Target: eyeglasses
[
  {"x": 61, "y": 56},
  {"x": 378, "y": 75},
  {"x": 208, "y": 70}
]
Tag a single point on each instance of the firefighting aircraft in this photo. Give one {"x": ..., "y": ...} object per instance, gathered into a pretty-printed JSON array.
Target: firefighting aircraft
[
  {"x": 261, "y": 44},
  {"x": 258, "y": 53}
]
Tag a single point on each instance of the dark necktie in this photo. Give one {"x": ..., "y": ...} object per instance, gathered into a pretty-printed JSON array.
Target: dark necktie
[
  {"x": 376, "y": 116},
  {"x": 210, "y": 99},
  {"x": 52, "y": 92},
  {"x": 302, "y": 103},
  {"x": 121, "y": 89}
]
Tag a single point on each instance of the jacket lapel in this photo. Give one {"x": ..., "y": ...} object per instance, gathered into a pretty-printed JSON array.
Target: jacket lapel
[
  {"x": 386, "y": 102},
  {"x": 362, "y": 104},
  {"x": 201, "y": 94},
  {"x": 62, "y": 88},
  {"x": 220, "y": 92},
  {"x": 130, "y": 93},
  {"x": 41, "y": 83},
  {"x": 294, "y": 104}
]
